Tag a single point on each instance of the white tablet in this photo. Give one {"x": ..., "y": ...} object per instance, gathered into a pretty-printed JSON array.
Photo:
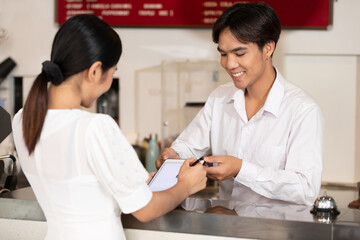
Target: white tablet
[{"x": 166, "y": 176}]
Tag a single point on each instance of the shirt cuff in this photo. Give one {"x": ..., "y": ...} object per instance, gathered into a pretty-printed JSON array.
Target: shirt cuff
[
  {"x": 135, "y": 201},
  {"x": 247, "y": 174}
]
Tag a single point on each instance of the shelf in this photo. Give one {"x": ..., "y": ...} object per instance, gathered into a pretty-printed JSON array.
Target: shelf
[{"x": 194, "y": 104}]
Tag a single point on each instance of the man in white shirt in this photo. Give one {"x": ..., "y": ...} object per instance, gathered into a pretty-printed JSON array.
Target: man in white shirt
[{"x": 265, "y": 134}]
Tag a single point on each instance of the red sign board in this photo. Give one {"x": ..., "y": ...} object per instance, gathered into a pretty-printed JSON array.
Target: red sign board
[{"x": 190, "y": 13}]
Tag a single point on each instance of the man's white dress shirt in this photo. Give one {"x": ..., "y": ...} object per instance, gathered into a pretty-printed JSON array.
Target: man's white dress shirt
[{"x": 281, "y": 145}]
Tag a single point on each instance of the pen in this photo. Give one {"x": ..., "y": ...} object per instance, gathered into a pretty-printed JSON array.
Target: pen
[{"x": 196, "y": 162}]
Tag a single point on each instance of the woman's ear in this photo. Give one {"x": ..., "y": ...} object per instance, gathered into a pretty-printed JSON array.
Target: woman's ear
[{"x": 94, "y": 73}]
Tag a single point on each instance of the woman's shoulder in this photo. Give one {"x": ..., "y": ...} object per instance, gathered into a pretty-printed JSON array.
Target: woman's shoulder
[
  {"x": 17, "y": 124},
  {"x": 78, "y": 114},
  {"x": 18, "y": 115},
  {"x": 101, "y": 118},
  {"x": 99, "y": 122}
]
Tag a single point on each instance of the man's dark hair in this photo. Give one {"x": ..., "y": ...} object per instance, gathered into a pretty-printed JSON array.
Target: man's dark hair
[{"x": 253, "y": 22}]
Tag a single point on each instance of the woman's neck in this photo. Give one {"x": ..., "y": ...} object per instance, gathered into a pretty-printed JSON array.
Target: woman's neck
[{"x": 65, "y": 96}]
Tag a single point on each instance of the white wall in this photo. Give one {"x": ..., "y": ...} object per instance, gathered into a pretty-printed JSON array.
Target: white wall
[
  {"x": 331, "y": 81},
  {"x": 31, "y": 27}
]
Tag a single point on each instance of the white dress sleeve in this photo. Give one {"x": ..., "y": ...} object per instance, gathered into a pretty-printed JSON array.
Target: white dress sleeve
[{"x": 116, "y": 164}]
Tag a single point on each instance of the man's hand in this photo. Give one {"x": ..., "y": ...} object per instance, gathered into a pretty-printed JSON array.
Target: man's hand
[
  {"x": 228, "y": 167},
  {"x": 165, "y": 154}
]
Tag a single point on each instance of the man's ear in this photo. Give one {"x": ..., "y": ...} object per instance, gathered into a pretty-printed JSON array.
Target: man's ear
[
  {"x": 269, "y": 48},
  {"x": 94, "y": 73}
]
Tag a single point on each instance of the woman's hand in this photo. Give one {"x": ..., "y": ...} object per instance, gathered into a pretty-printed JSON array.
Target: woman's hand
[
  {"x": 228, "y": 167},
  {"x": 165, "y": 154},
  {"x": 190, "y": 181},
  {"x": 194, "y": 177}
]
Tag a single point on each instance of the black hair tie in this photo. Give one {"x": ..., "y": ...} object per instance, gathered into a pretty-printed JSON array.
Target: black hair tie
[{"x": 53, "y": 72}]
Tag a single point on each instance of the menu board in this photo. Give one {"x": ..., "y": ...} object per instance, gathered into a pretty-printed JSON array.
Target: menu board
[{"x": 190, "y": 13}]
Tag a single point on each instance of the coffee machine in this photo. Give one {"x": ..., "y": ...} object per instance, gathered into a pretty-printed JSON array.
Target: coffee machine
[{"x": 9, "y": 178}]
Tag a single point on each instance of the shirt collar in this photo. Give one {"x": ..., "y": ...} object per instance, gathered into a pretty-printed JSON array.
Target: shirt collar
[
  {"x": 273, "y": 100},
  {"x": 235, "y": 94},
  {"x": 276, "y": 94}
]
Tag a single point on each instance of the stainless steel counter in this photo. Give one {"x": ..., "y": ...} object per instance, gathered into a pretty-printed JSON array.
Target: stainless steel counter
[
  {"x": 218, "y": 218},
  {"x": 20, "y": 204},
  {"x": 260, "y": 221}
]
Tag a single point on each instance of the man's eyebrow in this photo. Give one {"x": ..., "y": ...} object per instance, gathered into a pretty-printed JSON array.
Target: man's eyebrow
[{"x": 233, "y": 50}]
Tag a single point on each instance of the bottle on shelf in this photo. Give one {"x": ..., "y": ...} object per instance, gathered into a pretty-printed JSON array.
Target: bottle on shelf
[{"x": 152, "y": 153}]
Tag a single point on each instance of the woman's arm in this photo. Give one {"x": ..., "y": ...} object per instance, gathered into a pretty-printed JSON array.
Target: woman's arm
[{"x": 190, "y": 181}]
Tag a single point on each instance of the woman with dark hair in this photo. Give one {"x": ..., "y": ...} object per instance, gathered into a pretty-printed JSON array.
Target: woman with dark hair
[
  {"x": 81, "y": 168},
  {"x": 265, "y": 134}
]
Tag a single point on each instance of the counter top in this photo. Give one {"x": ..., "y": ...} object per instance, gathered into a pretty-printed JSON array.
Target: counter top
[
  {"x": 218, "y": 218},
  {"x": 260, "y": 221}
]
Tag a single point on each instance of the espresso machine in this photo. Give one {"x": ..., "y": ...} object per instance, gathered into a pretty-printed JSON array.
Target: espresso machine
[{"x": 8, "y": 180}]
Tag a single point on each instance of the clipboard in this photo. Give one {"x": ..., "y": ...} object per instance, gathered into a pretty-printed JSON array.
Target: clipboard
[{"x": 166, "y": 176}]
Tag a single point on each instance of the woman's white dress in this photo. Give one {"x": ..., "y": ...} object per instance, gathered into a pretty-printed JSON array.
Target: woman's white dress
[{"x": 84, "y": 174}]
